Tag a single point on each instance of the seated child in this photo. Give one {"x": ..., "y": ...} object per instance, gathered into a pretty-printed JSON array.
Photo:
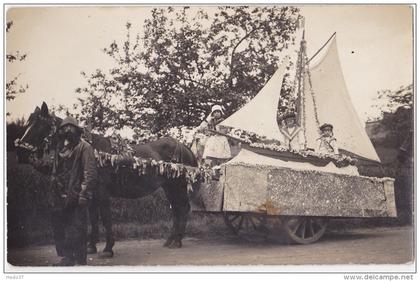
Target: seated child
[
  {"x": 293, "y": 137},
  {"x": 326, "y": 144}
]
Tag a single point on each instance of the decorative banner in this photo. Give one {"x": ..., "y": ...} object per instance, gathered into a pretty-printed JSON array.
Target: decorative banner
[{"x": 146, "y": 166}]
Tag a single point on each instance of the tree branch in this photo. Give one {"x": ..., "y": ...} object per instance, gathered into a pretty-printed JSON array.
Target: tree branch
[{"x": 233, "y": 54}]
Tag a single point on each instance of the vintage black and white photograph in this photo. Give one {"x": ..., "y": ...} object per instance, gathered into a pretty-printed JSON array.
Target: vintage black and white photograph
[{"x": 254, "y": 136}]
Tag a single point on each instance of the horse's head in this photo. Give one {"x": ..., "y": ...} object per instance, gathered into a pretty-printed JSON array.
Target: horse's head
[{"x": 38, "y": 128}]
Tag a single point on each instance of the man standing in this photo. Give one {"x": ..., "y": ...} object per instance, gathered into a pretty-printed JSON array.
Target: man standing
[
  {"x": 293, "y": 137},
  {"x": 77, "y": 169}
]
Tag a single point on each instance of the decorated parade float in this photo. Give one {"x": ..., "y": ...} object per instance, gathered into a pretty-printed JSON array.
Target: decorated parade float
[{"x": 300, "y": 188}]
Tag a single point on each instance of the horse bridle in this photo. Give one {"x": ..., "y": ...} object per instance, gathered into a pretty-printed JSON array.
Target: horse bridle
[
  {"x": 20, "y": 144},
  {"x": 47, "y": 140}
]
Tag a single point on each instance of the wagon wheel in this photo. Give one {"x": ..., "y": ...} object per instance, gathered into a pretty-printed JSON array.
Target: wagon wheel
[
  {"x": 244, "y": 224},
  {"x": 305, "y": 230}
]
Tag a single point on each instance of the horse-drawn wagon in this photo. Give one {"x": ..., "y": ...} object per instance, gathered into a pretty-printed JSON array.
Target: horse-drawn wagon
[
  {"x": 264, "y": 181},
  {"x": 301, "y": 189}
]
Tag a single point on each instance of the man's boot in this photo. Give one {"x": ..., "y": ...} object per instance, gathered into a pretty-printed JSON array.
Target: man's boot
[
  {"x": 59, "y": 247},
  {"x": 66, "y": 261},
  {"x": 81, "y": 262}
]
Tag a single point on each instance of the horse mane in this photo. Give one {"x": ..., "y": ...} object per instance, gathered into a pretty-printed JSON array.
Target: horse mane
[
  {"x": 161, "y": 149},
  {"x": 101, "y": 143},
  {"x": 164, "y": 149},
  {"x": 188, "y": 150}
]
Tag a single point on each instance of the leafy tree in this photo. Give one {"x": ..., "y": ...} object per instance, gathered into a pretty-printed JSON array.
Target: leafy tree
[
  {"x": 403, "y": 97},
  {"x": 397, "y": 113},
  {"x": 14, "y": 130},
  {"x": 396, "y": 108},
  {"x": 186, "y": 60},
  {"x": 13, "y": 88},
  {"x": 398, "y": 120}
]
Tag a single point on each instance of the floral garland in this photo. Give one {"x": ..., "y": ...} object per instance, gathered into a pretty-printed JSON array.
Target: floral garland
[
  {"x": 256, "y": 141},
  {"x": 313, "y": 98},
  {"x": 339, "y": 159},
  {"x": 245, "y": 136},
  {"x": 146, "y": 166}
]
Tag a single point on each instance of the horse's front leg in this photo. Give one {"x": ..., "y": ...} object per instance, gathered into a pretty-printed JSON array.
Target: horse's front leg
[
  {"x": 180, "y": 221},
  {"x": 94, "y": 222},
  {"x": 176, "y": 192},
  {"x": 166, "y": 187},
  {"x": 106, "y": 216}
]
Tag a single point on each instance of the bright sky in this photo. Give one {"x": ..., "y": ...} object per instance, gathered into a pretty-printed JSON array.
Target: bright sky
[{"x": 375, "y": 46}]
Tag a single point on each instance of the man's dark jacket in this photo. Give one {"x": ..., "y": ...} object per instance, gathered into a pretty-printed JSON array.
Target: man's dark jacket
[{"x": 77, "y": 172}]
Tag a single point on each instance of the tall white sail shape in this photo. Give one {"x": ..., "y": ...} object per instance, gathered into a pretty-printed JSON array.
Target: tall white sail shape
[
  {"x": 333, "y": 105},
  {"x": 260, "y": 114}
]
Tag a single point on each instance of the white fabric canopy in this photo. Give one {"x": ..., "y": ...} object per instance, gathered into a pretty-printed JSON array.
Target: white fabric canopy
[
  {"x": 333, "y": 105},
  {"x": 260, "y": 114}
]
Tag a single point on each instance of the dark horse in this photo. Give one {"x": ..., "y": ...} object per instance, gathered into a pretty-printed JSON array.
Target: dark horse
[{"x": 40, "y": 138}]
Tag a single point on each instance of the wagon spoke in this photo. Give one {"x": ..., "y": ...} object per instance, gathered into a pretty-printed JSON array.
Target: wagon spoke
[
  {"x": 263, "y": 221},
  {"x": 303, "y": 228},
  {"x": 253, "y": 224},
  {"x": 320, "y": 222},
  {"x": 246, "y": 224},
  {"x": 235, "y": 217},
  {"x": 311, "y": 228},
  {"x": 316, "y": 223},
  {"x": 260, "y": 219},
  {"x": 264, "y": 228},
  {"x": 247, "y": 218},
  {"x": 296, "y": 226},
  {"x": 240, "y": 223}
]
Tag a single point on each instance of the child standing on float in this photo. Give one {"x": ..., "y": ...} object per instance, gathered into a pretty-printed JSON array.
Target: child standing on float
[{"x": 216, "y": 149}]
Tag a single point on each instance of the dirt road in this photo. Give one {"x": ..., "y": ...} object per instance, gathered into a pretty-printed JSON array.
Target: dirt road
[{"x": 361, "y": 246}]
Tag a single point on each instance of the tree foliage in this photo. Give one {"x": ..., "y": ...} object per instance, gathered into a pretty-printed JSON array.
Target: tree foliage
[
  {"x": 185, "y": 60},
  {"x": 14, "y": 130},
  {"x": 13, "y": 88},
  {"x": 403, "y": 97},
  {"x": 397, "y": 114}
]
